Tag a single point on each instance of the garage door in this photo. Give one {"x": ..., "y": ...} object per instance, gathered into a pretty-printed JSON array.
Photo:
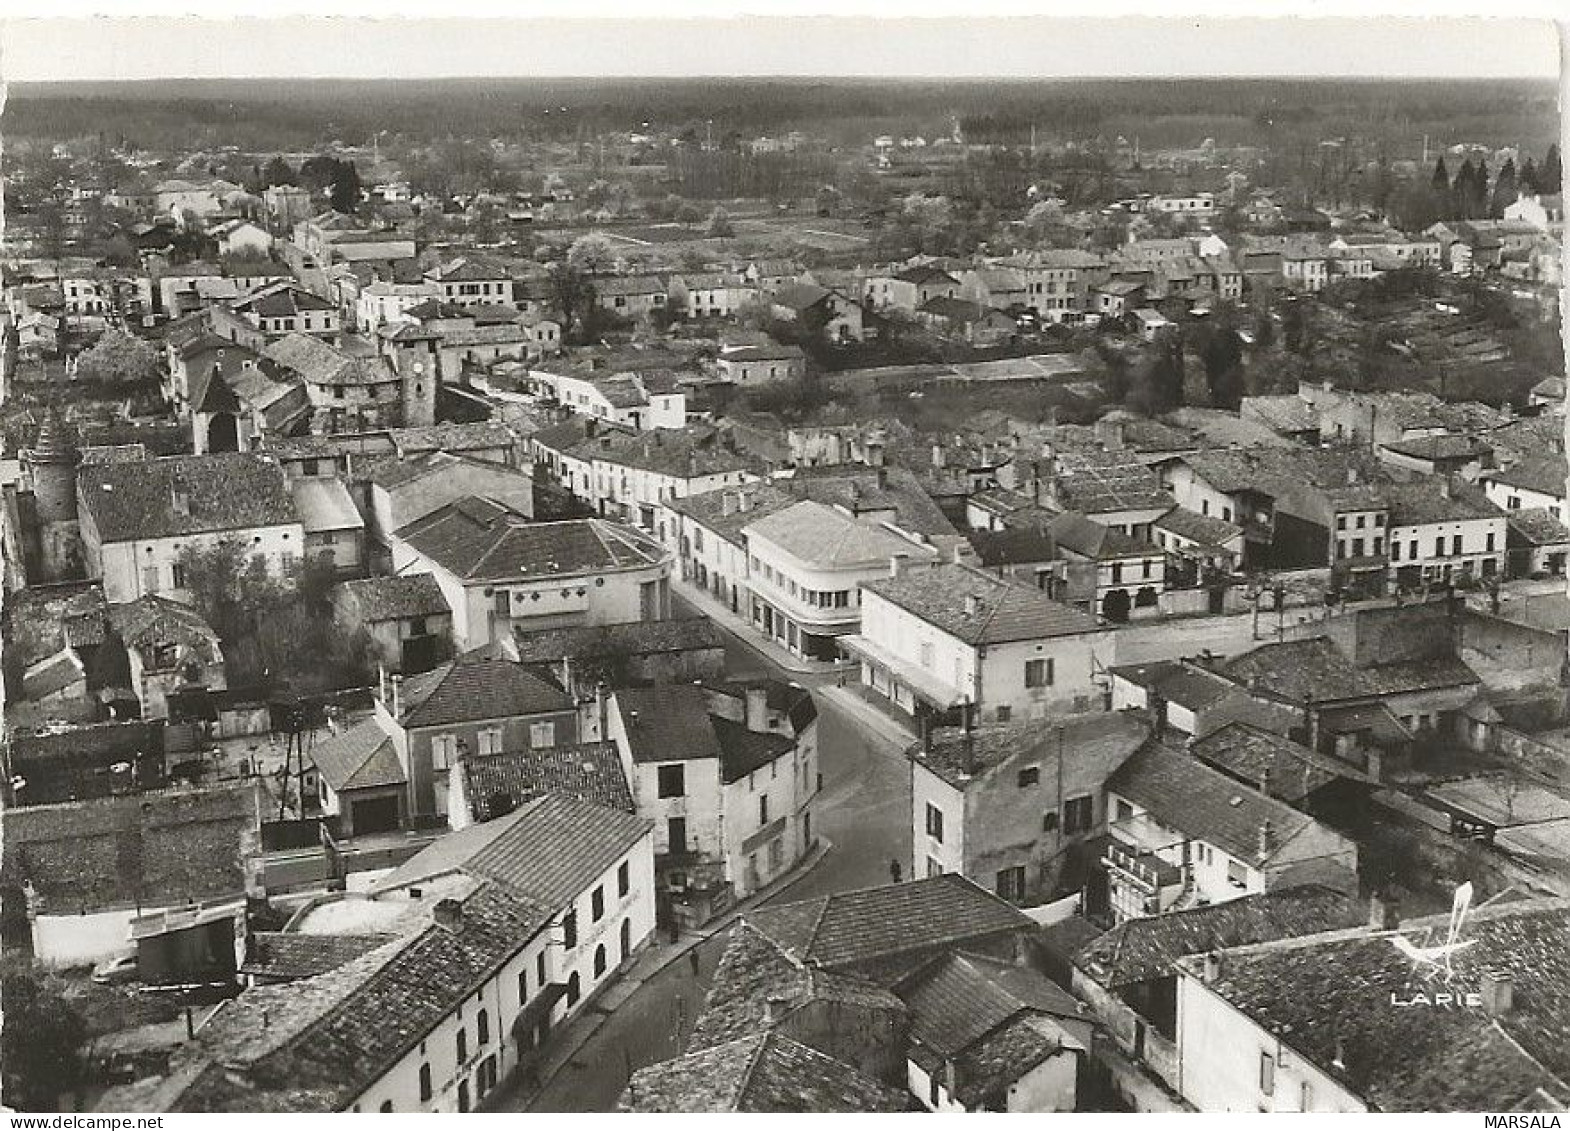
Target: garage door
[{"x": 375, "y": 815}]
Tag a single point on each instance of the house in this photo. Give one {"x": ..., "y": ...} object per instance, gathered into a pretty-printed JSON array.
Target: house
[
  {"x": 349, "y": 392},
  {"x": 1549, "y": 394},
  {"x": 911, "y": 288},
  {"x": 242, "y": 238},
  {"x": 1001, "y": 288},
  {"x": 471, "y": 281},
  {"x": 1370, "y": 1037},
  {"x": 87, "y": 871},
  {"x": 288, "y": 308},
  {"x": 1150, "y": 323},
  {"x": 969, "y": 321},
  {"x": 755, "y": 359},
  {"x": 1058, "y": 281},
  {"x": 1534, "y": 482},
  {"x": 1186, "y": 699},
  {"x": 499, "y": 571},
  {"x": 380, "y": 302},
  {"x": 1183, "y": 834},
  {"x": 827, "y": 313},
  {"x": 488, "y": 787},
  {"x": 1198, "y": 544},
  {"x": 1126, "y": 575},
  {"x": 1542, "y": 211},
  {"x": 955, "y": 644},
  {"x": 632, "y": 296},
  {"x": 1443, "y": 530},
  {"x": 1537, "y": 544},
  {"x": 334, "y": 530},
  {"x": 403, "y": 491},
  {"x": 1130, "y": 974},
  {"x": 168, "y": 646},
  {"x": 407, "y": 619},
  {"x": 806, "y": 563},
  {"x": 138, "y": 518},
  {"x": 1014, "y": 808},
  {"x": 471, "y": 704},
  {"x": 728, "y": 774},
  {"x": 361, "y": 784},
  {"x": 590, "y": 659},
  {"x": 624, "y": 398},
  {"x": 715, "y": 294},
  {"x": 499, "y": 935}
]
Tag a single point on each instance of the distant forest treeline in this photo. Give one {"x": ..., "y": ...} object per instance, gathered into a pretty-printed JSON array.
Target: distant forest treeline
[{"x": 264, "y": 114}]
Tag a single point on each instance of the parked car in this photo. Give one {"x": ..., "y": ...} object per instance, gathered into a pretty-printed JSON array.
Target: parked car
[{"x": 117, "y": 971}]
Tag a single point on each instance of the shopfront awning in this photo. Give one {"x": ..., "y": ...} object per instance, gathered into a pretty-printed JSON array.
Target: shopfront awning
[{"x": 926, "y": 685}]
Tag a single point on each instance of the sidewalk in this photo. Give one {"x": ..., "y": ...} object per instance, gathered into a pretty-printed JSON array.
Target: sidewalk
[
  {"x": 711, "y": 607},
  {"x": 655, "y": 958},
  {"x": 857, "y": 701}
]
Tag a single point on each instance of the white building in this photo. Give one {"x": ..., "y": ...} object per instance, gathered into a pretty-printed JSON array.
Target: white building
[
  {"x": 626, "y": 398},
  {"x": 380, "y": 303},
  {"x": 1443, "y": 530},
  {"x": 806, "y": 564},
  {"x": 950, "y": 639}
]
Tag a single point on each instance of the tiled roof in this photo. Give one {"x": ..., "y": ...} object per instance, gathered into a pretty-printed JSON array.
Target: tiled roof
[
  {"x": 668, "y": 723},
  {"x": 628, "y": 285},
  {"x": 822, "y": 536},
  {"x": 1184, "y": 794},
  {"x": 155, "y": 848},
  {"x": 1087, "y": 537},
  {"x": 637, "y": 638},
  {"x": 742, "y": 751},
  {"x": 287, "y": 956},
  {"x": 136, "y": 501},
  {"x": 591, "y": 771},
  {"x": 1431, "y": 500},
  {"x": 361, "y": 757},
  {"x": 53, "y": 674},
  {"x": 764, "y": 1073},
  {"x": 1416, "y": 1059},
  {"x": 959, "y": 998},
  {"x": 1539, "y": 526},
  {"x": 391, "y": 598},
  {"x": 862, "y": 490},
  {"x": 943, "y": 595},
  {"x": 467, "y": 268},
  {"x": 325, "y": 505},
  {"x": 1143, "y": 949},
  {"x": 990, "y": 1066},
  {"x": 151, "y": 619},
  {"x": 477, "y": 539},
  {"x": 1271, "y": 763},
  {"x": 1317, "y": 671},
  {"x": 549, "y": 850},
  {"x": 682, "y": 453},
  {"x": 1093, "y": 482},
  {"x": 1023, "y": 546},
  {"x": 752, "y": 972},
  {"x": 848, "y": 929},
  {"x": 474, "y": 688},
  {"x": 1204, "y": 530},
  {"x": 1543, "y": 474},
  {"x": 1101, "y": 738}
]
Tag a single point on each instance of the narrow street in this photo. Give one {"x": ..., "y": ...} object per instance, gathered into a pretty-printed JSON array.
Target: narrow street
[{"x": 863, "y": 811}]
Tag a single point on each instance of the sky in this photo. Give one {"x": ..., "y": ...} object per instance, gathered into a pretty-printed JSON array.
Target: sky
[{"x": 867, "y": 43}]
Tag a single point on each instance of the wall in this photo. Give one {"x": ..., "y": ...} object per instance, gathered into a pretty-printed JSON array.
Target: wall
[
  {"x": 82, "y": 940},
  {"x": 927, "y": 788},
  {"x": 1049, "y": 1086},
  {"x": 700, "y": 805},
  {"x": 428, "y": 786},
  {"x": 781, "y": 783},
  {"x": 1220, "y": 1050},
  {"x": 1508, "y": 654},
  {"x": 392, "y": 510},
  {"x": 1077, "y": 662},
  {"x": 123, "y": 565}
]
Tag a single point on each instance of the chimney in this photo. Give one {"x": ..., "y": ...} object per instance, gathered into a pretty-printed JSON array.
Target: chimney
[
  {"x": 1383, "y": 913},
  {"x": 1110, "y": 433},
  {"x": 972, "y": 605},
  {"x": 1498, "y": 992},
  {"x": 937, "y": 456},
  {"x": 757, "y": 710},
  {"x": 1212, "y": 969},
  {"x": 1446, "y": 488},
  {"x": 397, "y": 696},
  {"x": 449, "y": 915},
  {"x": 950, "y": 1077},
  {"x": 1267, "y": 839},
  {"x": 592, "y": 428},
  {"x": 777, "y": 1007},
  {"x": 897, "y": 564},
  {"x": 727, "y": 503},
  {"x": 883, "y": 477}
]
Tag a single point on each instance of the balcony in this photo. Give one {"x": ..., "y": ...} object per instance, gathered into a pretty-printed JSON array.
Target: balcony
[{"x": 1142, "y": 869}]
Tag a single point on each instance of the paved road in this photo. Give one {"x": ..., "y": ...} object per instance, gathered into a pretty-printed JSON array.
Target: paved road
[{"x": 863, "y": 810}]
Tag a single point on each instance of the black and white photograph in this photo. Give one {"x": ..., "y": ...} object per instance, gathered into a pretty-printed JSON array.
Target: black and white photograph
[{"x": 680, "y": 560}]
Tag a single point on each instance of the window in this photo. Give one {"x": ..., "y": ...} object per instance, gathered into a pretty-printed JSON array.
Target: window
[
  {"x": 926, "y": 653},
  {"x": 443, "y": 747},
  {"x": 676, "y": 834},
  {"x": 1039, "y": 673},
  {"x": 1513, "y": 503},
  {"x": 763, "y": 810},
  {"x": 1237, "y": 874},
  {"x": 1029, "y": 776},
  {"x": 1360, "y": 521},
  {"x": 463, "y": 1095},
  {"x": 1439, "y": 547},
  {"x": 463, "y": 1044},
  {"x": 482, "y": 1025},
  {"x": 1395, "y": 551},
  {"x": 1357, "y": 547},
  {"x": 503, "y": 603},
  {"x": 1049, "y": 821},
  {"x": 1379, "y": 520},
  {"x": 386, "y": 1106},
  {"x": 425, "y": 1082},
  {"x": 1077, "y": 814},
  {"x": 1340, "y": 522},
  {"x": 569, "y": 929},
  {"x": 572, "y": 989},
  {"x": 599, "y": 960},
  {"x": 539, "y": 968},
  {"x": 177, "y": 571},
  {"x": 1412, "y": 549},
  {"x": 523, "y": 986},
  {"x": 933, "y": 868},
  {"x": 1267, "y": 1073},
  {"x": 1117, "y": 573},
  {"x": 1488, "y": 543},
  {"x": 1379, "y": 546},
  {"x": 1305, "y": 1097},
  {"x": 933, "y": 1091},
  {"x": 935, "y": 822},
  {"x": 491, "y": 740},
  {"x": 1005, "y": 714},
  {"x": 623, "y": 878},
  {"x": 672, "y": 780},
  {"x": 1011, "y": 883},
  {"x": 1455, "y": 545}
]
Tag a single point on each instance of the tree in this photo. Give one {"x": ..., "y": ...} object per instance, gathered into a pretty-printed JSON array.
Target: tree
[
  {"x": 1440, "y": 183},
  {"x": 117, "y": 358},
  {"x": 688, "y": 213},
  {"x": 120, "y": 252},
  {"x": 571, "y": 292},
  {"x": 278, "y": 172},
  {"x": 1222, "y": 354},
  {"x": 1528, "y": 176},
  {"x": 41, "y": 1041},
  {"x": 591, "y": 253},
  {"x": 1505, "y": 190},
  {"x": 1042, "y": 217},
  {"x": 344, "y": 189},
  {"x": 1550, "y": 178},
  {"x": 719, "y": 224}
]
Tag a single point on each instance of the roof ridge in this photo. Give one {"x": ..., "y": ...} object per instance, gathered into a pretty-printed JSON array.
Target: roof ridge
[{"x": 753, "y": 1060}]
